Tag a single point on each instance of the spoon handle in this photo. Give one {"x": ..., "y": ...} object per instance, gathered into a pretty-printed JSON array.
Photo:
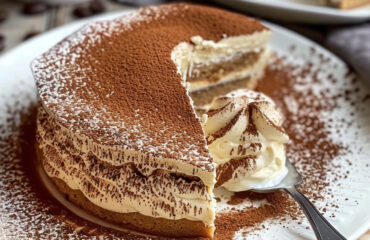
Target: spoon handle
[{"x": 322, "y": 228}]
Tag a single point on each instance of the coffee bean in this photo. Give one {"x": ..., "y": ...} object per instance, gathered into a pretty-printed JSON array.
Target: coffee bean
[
  {"x": 82, "y": 12},
  {"x": 30, "y": 35},
  {"x": 2, "y": 42},
  {"x": 32, "y": 8},
  {"x": 97, "y": 6},
  {"x": 3, "y": 15}
]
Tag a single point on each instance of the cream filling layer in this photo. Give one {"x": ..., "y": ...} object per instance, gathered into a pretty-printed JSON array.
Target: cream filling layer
[
  {"x": 206, "y": 52},
  {"x": 242, "y": 125},
  {"x": 121, "y": 189},
  {"x": 118, "y": 155}
]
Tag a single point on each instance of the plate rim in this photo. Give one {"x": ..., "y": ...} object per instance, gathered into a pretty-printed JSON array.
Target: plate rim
[
  {"x": 351, "y": 15},
  {"x": 79, "y": 23}
]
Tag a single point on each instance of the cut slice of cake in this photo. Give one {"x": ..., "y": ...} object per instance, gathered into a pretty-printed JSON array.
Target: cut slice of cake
[
  {"x": 341, "y": 4},
  {"x": 214, "y": 68},
  {"x": 116, "y": 128},
  {"x": 348, "y": 4}
]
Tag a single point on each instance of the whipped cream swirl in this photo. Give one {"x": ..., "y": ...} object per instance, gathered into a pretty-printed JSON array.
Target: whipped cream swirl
[{"x": 246, "y": 140}]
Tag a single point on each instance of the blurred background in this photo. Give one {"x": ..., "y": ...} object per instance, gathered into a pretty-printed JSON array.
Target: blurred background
[{"x": 345, "y": 32}]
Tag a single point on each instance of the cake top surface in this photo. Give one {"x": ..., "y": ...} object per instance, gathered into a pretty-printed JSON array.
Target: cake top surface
[{"x": 114, "y": 81}]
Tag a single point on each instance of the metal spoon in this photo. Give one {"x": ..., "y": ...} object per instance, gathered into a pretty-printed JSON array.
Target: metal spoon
[{"x": 322, "y": 228}]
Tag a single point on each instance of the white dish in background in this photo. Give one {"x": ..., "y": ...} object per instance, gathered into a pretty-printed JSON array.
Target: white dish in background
[
  {"x": 352, "y": 219},
  {"x": 299, "y": 11}
]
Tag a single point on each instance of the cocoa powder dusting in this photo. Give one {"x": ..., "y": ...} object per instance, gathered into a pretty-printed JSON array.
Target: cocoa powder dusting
[
  {"x": 129, "y": 81},
  {"x": 28, "y": 212},
  {"x": 312, "y": 149},
  {"x": 278, "y": 206}
]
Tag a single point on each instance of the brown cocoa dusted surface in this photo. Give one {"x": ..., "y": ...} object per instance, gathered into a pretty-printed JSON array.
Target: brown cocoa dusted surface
[{"x": 114, "y": 81}]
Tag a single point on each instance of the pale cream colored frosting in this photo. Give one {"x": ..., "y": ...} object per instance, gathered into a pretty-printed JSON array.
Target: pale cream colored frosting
[
  {"x": 246, "y": 125},
  {"x": 120, "y": 184}
]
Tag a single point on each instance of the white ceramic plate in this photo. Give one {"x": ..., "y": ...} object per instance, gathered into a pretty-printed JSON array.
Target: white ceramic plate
[
  {"x": 302, "y": 11},
  {"x": 352, "y": 218}
]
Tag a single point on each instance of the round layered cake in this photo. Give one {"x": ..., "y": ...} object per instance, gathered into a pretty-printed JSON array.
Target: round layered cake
[{"x": 117, "y": 131}]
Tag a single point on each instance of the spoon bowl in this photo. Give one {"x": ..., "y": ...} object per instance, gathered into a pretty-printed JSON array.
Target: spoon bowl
[
  {"x": 293, "y": 178},
  {"x": 322, "y": 228}
]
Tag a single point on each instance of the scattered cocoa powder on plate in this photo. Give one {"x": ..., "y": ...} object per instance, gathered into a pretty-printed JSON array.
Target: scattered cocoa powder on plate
[
  {"x": 29, "y": 212},
  {"x": 311, "y": 148},
  {"x": 278, "y": 206}
]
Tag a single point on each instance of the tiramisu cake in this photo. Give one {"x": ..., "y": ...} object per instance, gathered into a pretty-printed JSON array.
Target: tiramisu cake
[
  {"x": 117, "y": 131},
  {"x": 342, "y": 4}
]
